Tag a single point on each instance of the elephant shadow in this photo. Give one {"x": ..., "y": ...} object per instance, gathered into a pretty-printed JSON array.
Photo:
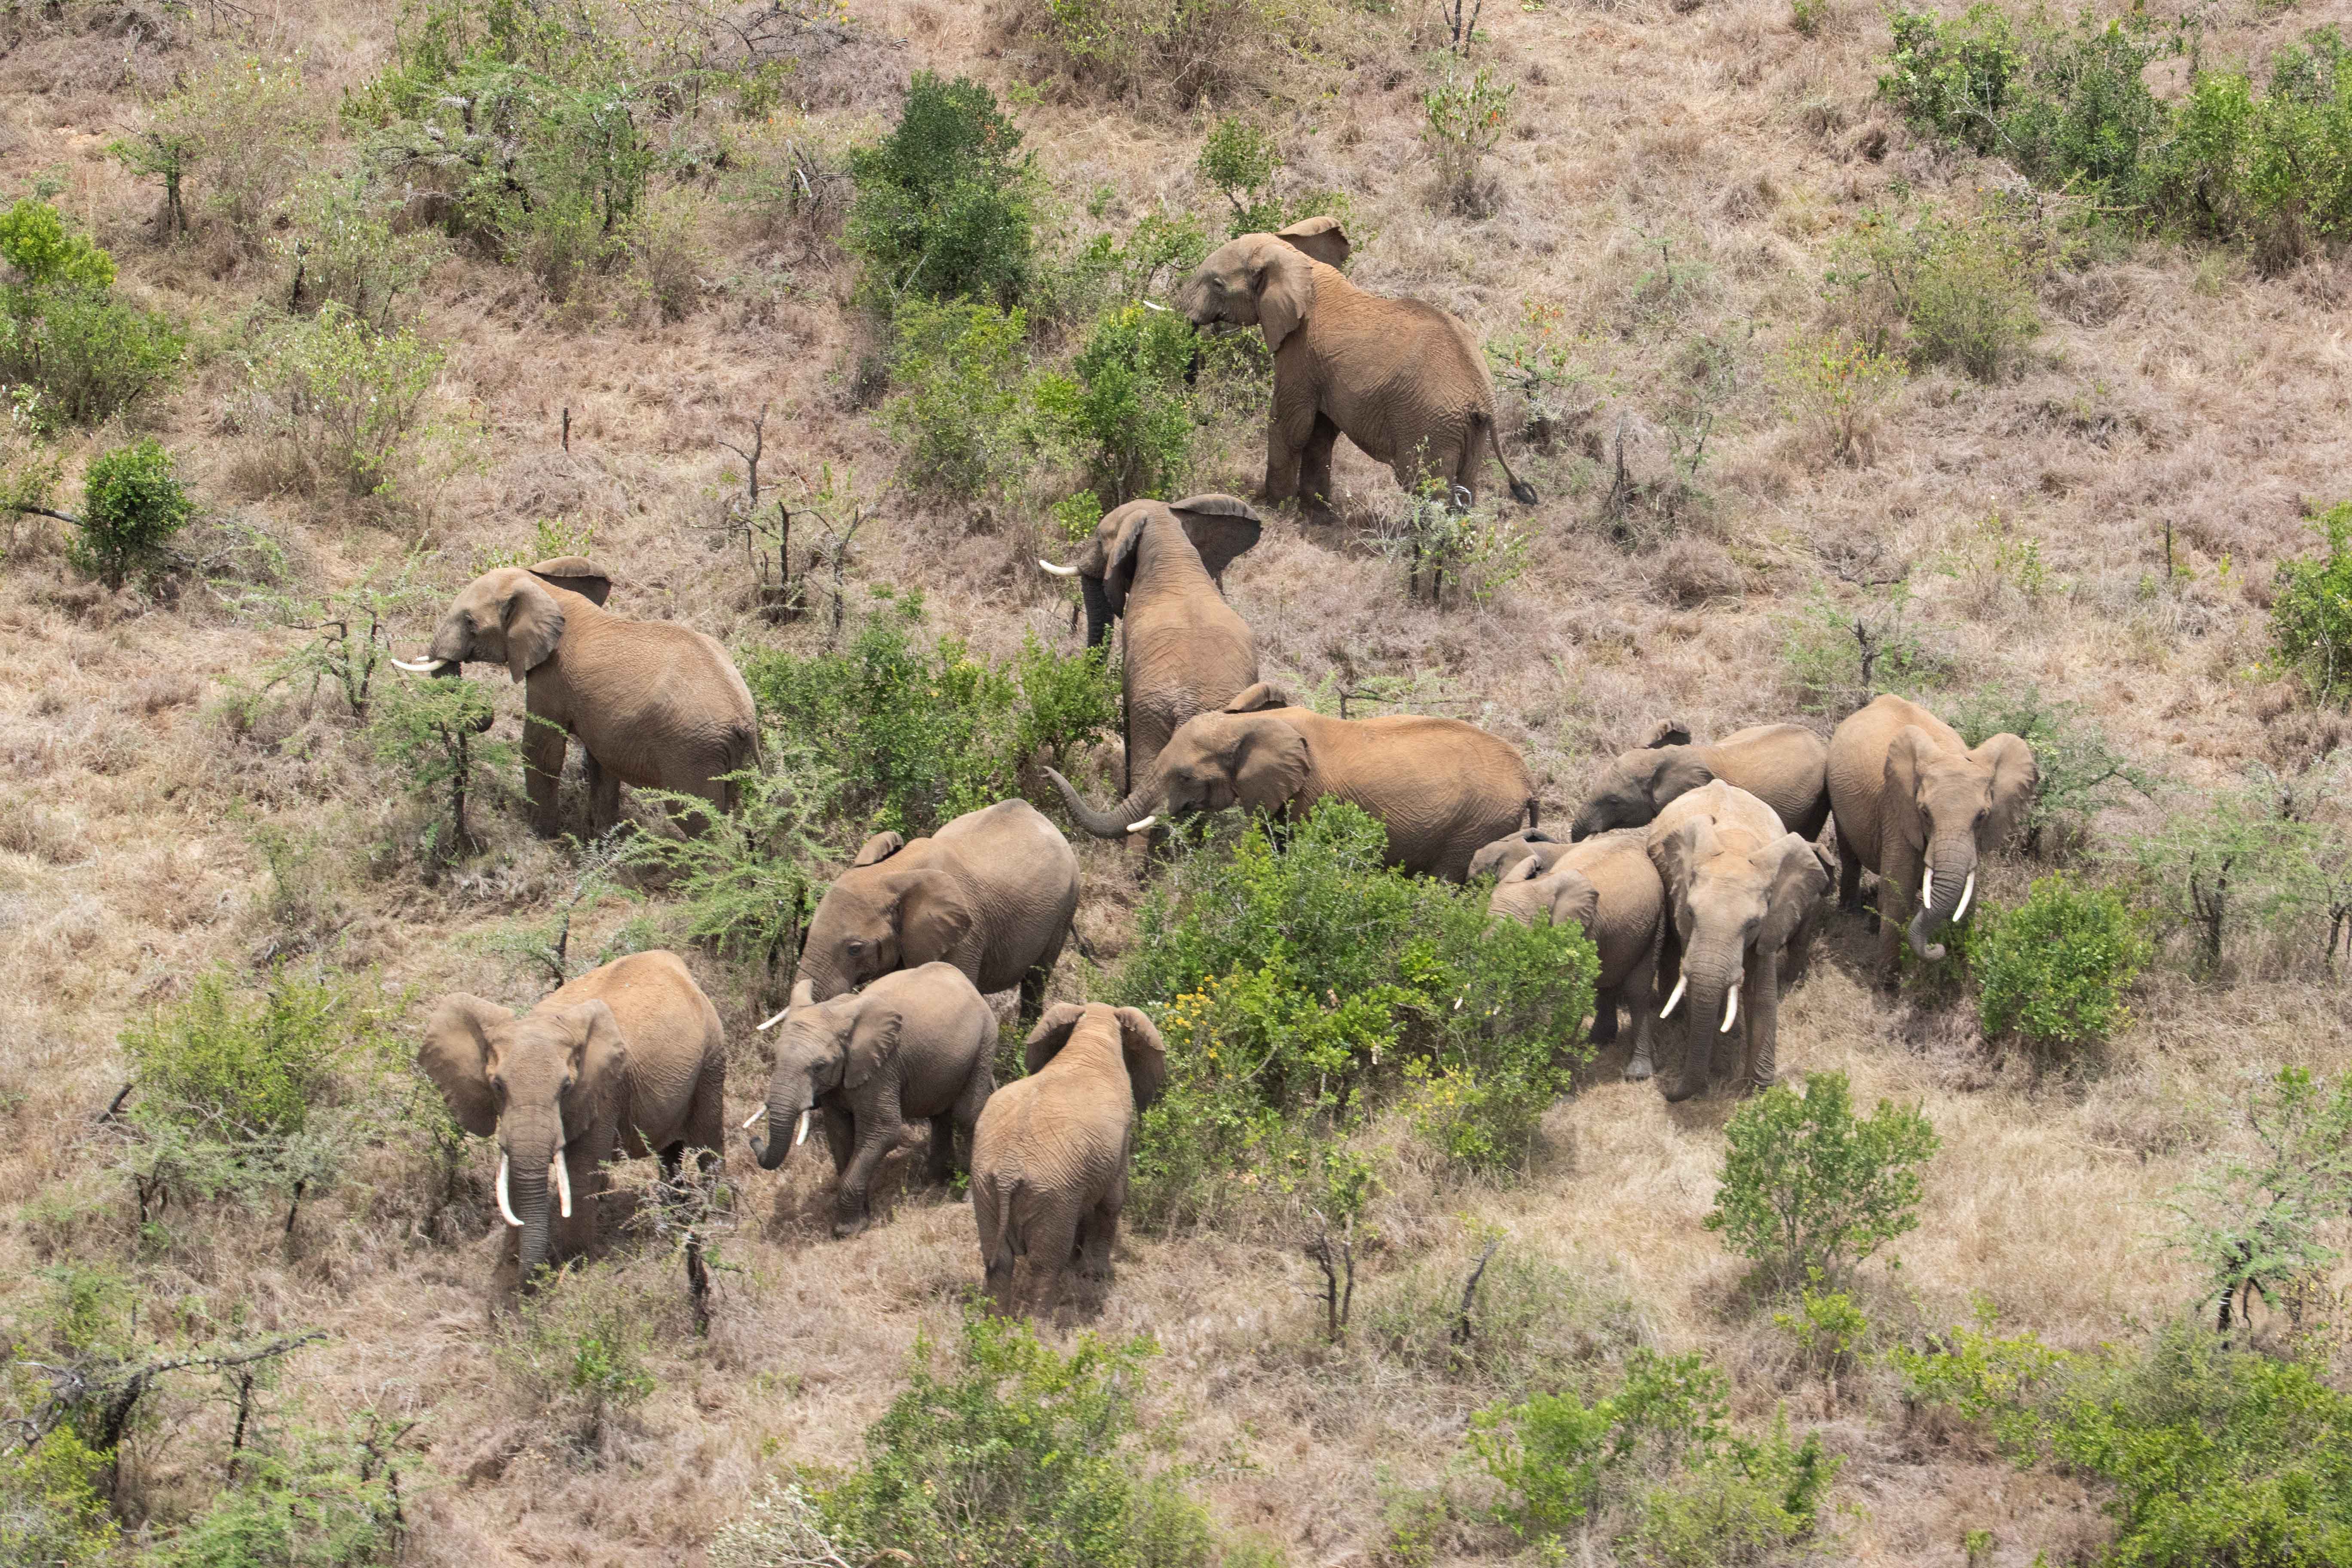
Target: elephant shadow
[{"x": 804, "y": 1206}]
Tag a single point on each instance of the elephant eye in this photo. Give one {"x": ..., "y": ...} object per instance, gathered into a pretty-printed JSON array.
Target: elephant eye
[{"x": 855, "y": 948}]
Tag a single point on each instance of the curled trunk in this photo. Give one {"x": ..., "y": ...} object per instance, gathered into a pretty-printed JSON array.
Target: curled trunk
[
  {"x": 1114, "y": 822},
  {"x": 1950, "y": 868},
  {"x": 785, "y": 1128}
]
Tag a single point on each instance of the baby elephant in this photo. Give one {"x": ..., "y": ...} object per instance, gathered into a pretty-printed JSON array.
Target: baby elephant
[
  {"x": 1049, "y": 1162},
  {"x": 1499, "y": 857},
  {"x": 914, "y": 1045},
  {"x": 1608, "y": 885}
]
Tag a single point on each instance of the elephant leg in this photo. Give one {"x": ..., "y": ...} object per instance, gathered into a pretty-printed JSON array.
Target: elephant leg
[
  {"x": 1849, "y": 875},
  {"x": 1033, "y": 982},
  {"x": 1640, "y": 992},
  {"x": 938, "y": 1163},
  {"x": 965, "y": 1117},
  {"x": 851, "y": 1211},
  {"x": 603, "y": 793},
  {"x": 840, "y": 1135},
  {"x": 1053, "y": 1238},
  {"x": 1760, "y": 1002},
  {"x": 1605, "y": 1016},
  {"x": 1100, "y": 1234},
  {"x": 705, "y": 1122},
  {"x": 1314, "y": 463},
  {"x": 1288, "y": 428},
  {"x": 542, "y": 770},
  {"x": 997, "y": 1269}
]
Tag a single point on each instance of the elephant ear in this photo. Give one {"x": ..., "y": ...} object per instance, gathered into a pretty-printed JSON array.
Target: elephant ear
[
  {"x": 1220, "y": 527},
  {"x": 456, "y": 1055},
  {"x": 932, "y": 917},
  {"x": 1260, "y": 698},
  {"x": 1668, "y": 733},
  {"x": 1526, "y": 868},
  {"x": 1146, "y": 1057},
  {"x": 873, "y": 1042},
  {"x": 1051, "y": 1033},
  {"x": 1908, "y": 757},
  {"x": 578, "y": 574},
  {"x": 1269, "y": 764},
  {"x": 600, "y": 1088},
  {"x": 1678, "y": 854},
  {"x": 1320, "y": 238},
  {"x": 533, "y": 623},
  {"x": 2016, "y": 777},
  {"x": 1801, "y": 876},
  {"x": 878, "y": 849},
  {"x": 1574, "y": 900},
  {"x": 1677, "y": 771},
  {"x": 1285, "y": 286},
  {"x": 1119, "y": 559}
]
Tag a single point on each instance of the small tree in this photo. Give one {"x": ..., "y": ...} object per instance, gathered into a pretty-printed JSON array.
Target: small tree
[
  {"x": 1465, "y": 120},
  {"x": 2261, "y": 1224},
  {"x": 2055, "y": 968},
  {"x": 943, "y": 201},
  {"x": 1809, "y": 1189},
  {"x": 1239, "y": 159},
  {"x": 433, "y": 733},
  {"x": 132, "y": 505}
]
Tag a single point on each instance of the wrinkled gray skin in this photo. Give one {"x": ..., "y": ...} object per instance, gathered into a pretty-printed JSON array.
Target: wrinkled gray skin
[
  {"x": 1608, "y": 886},
  {"x": 628, "y": 1058},
  {"x": 915, "y": 1046},
  {"x": 1742, "y": 898},
  {"x": 1497, "y": 859},
  {"x": 1158, "y": 567},
  {"x": 1783, "y": 766},
  {"x": 993, "y": 893},
  {"x": 1914, "y": 802},
  {"x": 1049, "y": 1161}
]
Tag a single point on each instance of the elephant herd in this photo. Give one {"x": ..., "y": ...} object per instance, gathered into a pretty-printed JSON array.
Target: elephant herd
[{"x": 1697, "y": 870}]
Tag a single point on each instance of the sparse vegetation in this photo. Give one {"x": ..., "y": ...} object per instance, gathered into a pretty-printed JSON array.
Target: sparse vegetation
[
  {"x": 350, "y": 402},
  {"x": 1467, "y": 116},
  {"x": 2311, "y": 609},
  {"x": 1836, "y": 387},
  {"x": 2264, "y": 1222},
  {"x": 434, "y": 735}
]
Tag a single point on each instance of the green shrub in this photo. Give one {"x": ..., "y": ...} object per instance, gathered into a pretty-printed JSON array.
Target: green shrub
[
  {"x": 341, "y": 250},
  {"x": 237, "y": 128},
  {"x": 2054, "y": 969},
  {"x": 1239, "y": 160},
  {"x": 1464, "y": 120},
  {"x": 52, "y": 1514},
  {"x": 2252, "y": 866},
  {"x": 1839, "y": 656},
  {"x": 350, "y": 401},
  {"x": 1834, "y": 385},
  {"x": 1190, "y": 50},
  {"x": 963, "y": 409},
  {"x": 305, "y": 1500},
  {"x": 2258, "y": 1223},
  {"x": 1124, "y": 405},
  {"x": 1451, "y": 552},
  {"x": 922, "y": 735},
  {"x": 943, "y": 204},
  {"x": 1963, "y": 288},
  {"x": 1828, "y": 1329},
  {"x": 132, "y": 506},
  {"x": 2311, "y": 609},
  {"x": 2081, "y": 773},
  {"x": 62, "y": 333},
  {"x": 1020, "y": 1456},
  {"x": 1811, "y": 1190},
  {"x": 433, "y": 734},
  {"x": 578, "y": 1351},
  {"x": 34, "y": 241}
]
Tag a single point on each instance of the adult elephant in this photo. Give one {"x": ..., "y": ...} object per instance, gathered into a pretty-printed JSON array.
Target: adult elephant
[
  {"x": 915, "y": 1046},
  {"x": 1783, "y": 766},
  {"x": 1401, "y": 379},
  {"x": 1049, "y": 1161},
  {"x": 653, "y": 703},
  {"x": 1607, "y": 885},
  {"x": 629, "y": 1058},
  {"x": 1742, "y": 896},
  {"x": 992, "y": 893},
  {"x": 1498, "y": 859},
  {"x": 1441, "y": 787},
  {"x": 1916, "y": 804},
  {"x": 1158, "y": 567}
]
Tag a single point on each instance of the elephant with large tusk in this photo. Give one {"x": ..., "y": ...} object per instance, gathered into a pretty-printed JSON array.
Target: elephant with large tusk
[
  {"x": 1441, "y": 787},
  {"x": 916, "y": 1045},
  {"x": 1158, "y": 568},
  {"x": 1742, "y": 896},
  {"x": 628, "y": 1058},
  {"x": 1918, "y": 805},
  {"x": 654, "y": 704}
]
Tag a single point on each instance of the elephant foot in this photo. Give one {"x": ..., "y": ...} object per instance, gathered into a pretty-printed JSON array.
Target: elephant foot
[
  {"x": 843, "y": 1230},
  {"x": 1639, "y": 1070}
]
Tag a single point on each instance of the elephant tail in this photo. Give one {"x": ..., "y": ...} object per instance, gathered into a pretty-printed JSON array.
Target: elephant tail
[
  {"x": 999, "y": 1251},
  {"x": 1535, "y": 813},
  {"x": 1521, "y": 491}
]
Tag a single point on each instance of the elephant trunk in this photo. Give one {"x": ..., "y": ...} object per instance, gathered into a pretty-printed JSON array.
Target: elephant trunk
[
  {"x": 1714, "y": 973},
  {"x": 1951, "y": 883},
  {"x": 789, "y": 1113},
  {"x": 527, "y": 1191},
  {"x": 1097, "y": 603},
  {"x": 1587, "y": 823},
  {"x": 1129, "y": 815}
]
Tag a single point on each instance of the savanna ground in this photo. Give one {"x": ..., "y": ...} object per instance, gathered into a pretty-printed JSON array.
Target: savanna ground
[{"x": 1664, "y": 205}]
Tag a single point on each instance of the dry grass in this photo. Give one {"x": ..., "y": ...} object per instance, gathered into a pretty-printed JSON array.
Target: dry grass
[{"x": 1676, "y": 173}]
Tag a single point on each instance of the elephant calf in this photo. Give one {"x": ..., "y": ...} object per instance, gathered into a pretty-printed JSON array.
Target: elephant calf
[
  {"x": 1783, "y": 766},
  {"x": 1049, "y": 1161},
  {"x": 912, "y": 1047},
  {"x": 1498, "y": 859},
  {"x": 628, "y": 1058},
  {"x": 1607, "y": 885}
]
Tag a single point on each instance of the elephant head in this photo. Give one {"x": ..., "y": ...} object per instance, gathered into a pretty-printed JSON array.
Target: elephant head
[
  {"x": 1531, "y": 895},
  {"x": 876, "y": 919},
  {"x": 538, "y": 1082},
  {"x": 1215, "y": 526},
  {"x": 1632, "y": 788},
  {"x": 1732, "y": 895},
  {"x": 1262, "y": 280},
  {"x": 1948, "y": 806},
  {"x": 1255, "y": 759},
  {"x": 824, "y": 1046},
  {"x": 507, "y": 616},
  {"x": 1528, "y": 844},
  {"x": 1139, "y": 1046}
]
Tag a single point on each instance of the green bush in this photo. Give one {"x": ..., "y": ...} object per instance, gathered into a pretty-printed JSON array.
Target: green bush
[
  {"x": 1810, "y": 1190},
  {"x": 2054, "y": 969},
  {"x": 1239, "y": 160},
  {"x": 2251, "y": 867},
  {"x": 1963, "y": 288},
  {"x": 434, "y": 735},
  {"x": 63, "y": 333},
  {"x": 34, "y": 241},
  {"x": 2311, "y": 609},
  {"x": 922, "y": 735},
  {"x": 1829, "y": 1328},
  {"x": 341, "y": 250},
  {"x": 1453, "y": 552},
  {"x": 2081, "y": 773},
  {"x": 1125, "y": 406},
  {"x": 578, "y": 1353},
  {"x": 52, "y": 1514},
  {"x": 1299, "y": 991},
  {"x": 1835, "y": 384},
  {"x": 1464, "y": 119},
  {"x": 305, "y": 1501},
  {"x": 1839, "y": 656},
  {"x": 962, "y": 411},
  {"x": 132, "y": 507},
  {"x": 238, "y": 128},
  {"x": 349, "y": 400},
  {"x": 1017, "y": 1456},
  {"x": 2258, "y": 1222},
  {"x": 943, "y": 209},
  {"x": 1190, "y": 50}
]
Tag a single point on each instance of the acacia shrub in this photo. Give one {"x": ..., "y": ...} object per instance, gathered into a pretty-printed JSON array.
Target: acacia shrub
[{"x": 2081, "y": 772}]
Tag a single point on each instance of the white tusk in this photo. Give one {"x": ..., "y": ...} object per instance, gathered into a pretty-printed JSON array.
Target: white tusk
[
  {"x": 1675, "y": 1000},
  {"x": 1057, "y": 570},
  {"x": 1151, "y": 305},
  {"x": 1927, "y": 888},
  {"x": 774, "y": 1021},
  {"x": 562, "y": 1183},
  {"x": 1968, "y": 892},
  {"x": 1731, "y": 1008},
  {"x": 755, "y": 1117},
  {"x": 506, "y": 1205},
  {"x": 800, "y": 1137},
  {"x": 422, "y": 667},
  {"x": 1147, "y": 822}
]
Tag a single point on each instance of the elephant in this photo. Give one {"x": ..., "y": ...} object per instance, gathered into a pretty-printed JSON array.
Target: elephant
[
  {"x": 1913, "y": 801},
  {"x": 628, "y": 1058},
  {"x": 654, "y": 704},
  {"x": 1783, "y": 766},
  {"x": 1498, "y": 859},
  {"x": 1443, "y": 788},
  {"x": 1607, "y": 885},
  {"x": 1049, "y": 1159},
  {"x": 1158, "y": 567},
  {"x": 1401, "y": 379},
  {"x": 993, "y": 893},
  {"x": 913, "y": 1046},
  {"x": 1742, "y": 896}
]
